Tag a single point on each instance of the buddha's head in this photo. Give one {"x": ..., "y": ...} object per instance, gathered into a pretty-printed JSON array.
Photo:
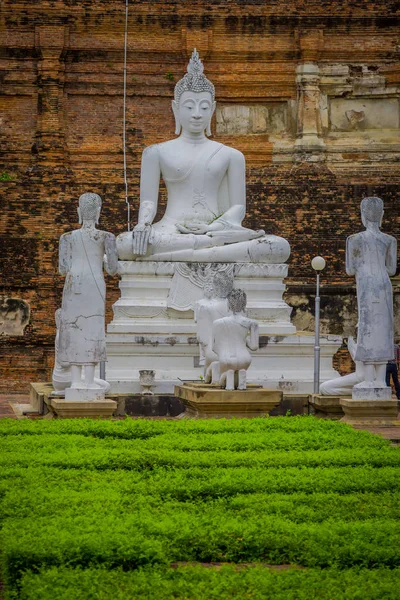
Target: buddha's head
[
  {"x": 222, "y": 284},
  {"x": 237, "y": 301},
  {"x": 194, "y": 99},
  {"x": 372, "y": 211},
  {"x": 89, "y": 207}
]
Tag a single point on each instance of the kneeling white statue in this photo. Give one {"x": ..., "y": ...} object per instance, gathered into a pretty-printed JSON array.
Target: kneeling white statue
[
  {"x": 230, "y": 342},
  {"x": 82, "y": 318},
  {"x": 206, "y": 187},
  {"x": 343, "y": 386}
]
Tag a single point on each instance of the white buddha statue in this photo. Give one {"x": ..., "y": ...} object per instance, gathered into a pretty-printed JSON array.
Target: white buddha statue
[{"x": 206, "y": 188}]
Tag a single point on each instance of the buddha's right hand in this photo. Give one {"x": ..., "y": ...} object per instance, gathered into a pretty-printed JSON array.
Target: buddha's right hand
[{"x": 141, "y": 233}]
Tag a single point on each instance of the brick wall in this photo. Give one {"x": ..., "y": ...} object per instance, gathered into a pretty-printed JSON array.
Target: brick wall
[{"x": 61, "y": 74}]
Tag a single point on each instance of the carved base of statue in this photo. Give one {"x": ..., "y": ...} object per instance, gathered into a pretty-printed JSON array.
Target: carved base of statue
[
  {"x": 154, "y": 328},
  {"x": 212, "y": 402}
]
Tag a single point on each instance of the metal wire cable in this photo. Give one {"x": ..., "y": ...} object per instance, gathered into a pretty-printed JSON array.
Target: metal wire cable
[{"x": 124, "y": 117}]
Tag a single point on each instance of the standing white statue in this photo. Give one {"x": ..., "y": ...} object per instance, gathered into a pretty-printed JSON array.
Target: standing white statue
[
  {"x": 342, "y": 386},
  {"x": 230, "y": 342},
  {"x": 206, "y": 185},
  {"x": 207, "y": 311},
  {"x": 62, "y": 377},
  {"x": 372, "y": 257},
  {"x": 82, "y": 323}
]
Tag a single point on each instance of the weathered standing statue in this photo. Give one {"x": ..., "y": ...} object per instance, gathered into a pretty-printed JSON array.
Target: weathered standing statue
[
  {"x": 82, "y": 318},
  {"x": 62, "y": 377},
  {"x": 206, "y": 187},
  {"x": 372, "y": 256},
  {"x": 230, "y": 342}
]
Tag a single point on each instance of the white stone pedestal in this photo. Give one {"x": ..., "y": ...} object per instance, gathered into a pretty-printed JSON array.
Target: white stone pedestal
[
  {"x": 371, "y": 393},
  {"x": 153, "y": 327},
  {"x": 377, "y": 413},
  {"x": 84, "y": 394}
]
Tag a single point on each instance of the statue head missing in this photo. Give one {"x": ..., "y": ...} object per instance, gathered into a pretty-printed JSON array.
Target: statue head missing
[
  {"x": 223, "y": 284},
  {"x": 372, "y": 210},
  {"x": 89, "y": 207},
  {"x": 237, "y": 301},
  {"x": 194, "y": 99}
]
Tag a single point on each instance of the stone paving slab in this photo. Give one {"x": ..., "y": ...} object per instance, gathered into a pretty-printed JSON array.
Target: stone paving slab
[{"x": 5, "y": 407}]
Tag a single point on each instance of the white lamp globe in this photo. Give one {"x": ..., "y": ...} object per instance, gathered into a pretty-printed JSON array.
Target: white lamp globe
[{"x": 318, "y": 263}]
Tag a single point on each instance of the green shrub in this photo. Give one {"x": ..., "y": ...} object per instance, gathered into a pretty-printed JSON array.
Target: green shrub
[
  {"x": 201, "y": 583},
  {"x": 96, "y": 496}
]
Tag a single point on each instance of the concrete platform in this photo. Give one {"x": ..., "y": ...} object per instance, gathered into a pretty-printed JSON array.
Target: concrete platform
[
  {"x": 204, "y": 401},
  {"x": 71, "y": 409},
  {"x": 374, "y": 413},
  {"x": 327, "y": 407}
]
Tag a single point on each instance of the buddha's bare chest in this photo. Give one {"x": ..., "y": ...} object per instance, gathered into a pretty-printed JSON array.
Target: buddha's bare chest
[{"x": 195, "y": 163}]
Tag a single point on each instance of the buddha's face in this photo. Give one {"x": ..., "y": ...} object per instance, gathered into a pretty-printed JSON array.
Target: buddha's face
[{"x": 194, "y": 111}]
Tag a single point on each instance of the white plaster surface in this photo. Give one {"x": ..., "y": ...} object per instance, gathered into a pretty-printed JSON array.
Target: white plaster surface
[
  {"x": 84, "y": 394},
  {"x": 379, "y": 113},
  {"x": 371, "y": 393},
  {"x": 283, "y": 362}
]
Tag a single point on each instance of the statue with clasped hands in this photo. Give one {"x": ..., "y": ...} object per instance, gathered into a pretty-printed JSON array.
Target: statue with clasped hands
[{"x": 206, "y": 188}]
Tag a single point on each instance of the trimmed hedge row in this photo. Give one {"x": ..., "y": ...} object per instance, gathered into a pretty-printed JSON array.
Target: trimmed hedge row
[
  {"x": 200, "y": 583},
  {"x": 79, "y": 452},
  {"x": 135, "y": 494},
  {"x": 328, "y": 432}
]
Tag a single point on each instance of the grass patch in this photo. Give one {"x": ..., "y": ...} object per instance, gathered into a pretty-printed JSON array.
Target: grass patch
[{"x": 93, "y": 506}]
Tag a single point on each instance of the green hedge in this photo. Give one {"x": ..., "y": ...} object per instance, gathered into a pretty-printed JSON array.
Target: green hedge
[
  {"x": 202, "y": 583},
  {"x": 82, "y": 497}
]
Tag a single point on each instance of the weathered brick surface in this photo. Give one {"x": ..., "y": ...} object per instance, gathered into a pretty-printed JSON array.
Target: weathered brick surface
[{"x": 61, "y": 66}]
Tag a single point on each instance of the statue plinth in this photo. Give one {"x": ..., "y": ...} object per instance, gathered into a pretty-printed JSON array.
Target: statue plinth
[
  {"x": 211, "y": 401},
  {"x": 377, "y": 413},
  {"x": 153, "y": 327}
]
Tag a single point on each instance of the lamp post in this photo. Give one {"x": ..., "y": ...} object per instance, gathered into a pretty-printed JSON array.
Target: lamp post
[{"x": 318, "y": 264}]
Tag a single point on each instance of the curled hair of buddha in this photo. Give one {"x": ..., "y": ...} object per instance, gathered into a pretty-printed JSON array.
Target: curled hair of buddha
[
  {"x": 372, "y": 209},
  {"x": 237, "y": 301},
  {"x": 223, "y": 284},
  {"x": 194, "y": 80},
  {"x": 89, "y": 205}
]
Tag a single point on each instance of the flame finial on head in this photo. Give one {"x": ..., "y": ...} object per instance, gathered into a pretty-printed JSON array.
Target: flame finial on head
[
  {"x": 194, "y": 80},
  {"x": 195, "y": 66}
]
